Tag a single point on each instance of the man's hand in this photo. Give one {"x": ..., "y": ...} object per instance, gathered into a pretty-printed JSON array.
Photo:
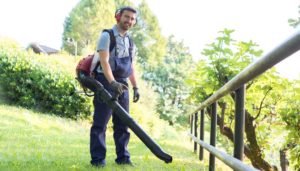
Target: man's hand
[
  {"x": 136, "y": 94},
  {"x": 118, "y": 88}
]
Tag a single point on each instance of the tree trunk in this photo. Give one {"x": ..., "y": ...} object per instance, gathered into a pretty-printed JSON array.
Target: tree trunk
[
  {"x": 284, "y": 163},
  {"x": 254, "y": 153},
  {"x": 223, "y": 108},
  {"x": 251, "y": 149}
]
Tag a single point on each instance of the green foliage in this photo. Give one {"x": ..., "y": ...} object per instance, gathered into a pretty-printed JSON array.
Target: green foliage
[
  {"x": 265, "y": 101},
  {"x": 151, "y": 45},
  {"x": 85, "y": 22},
  {"x": 122, "y": 3},
  {"x": 30, "y": 83},
  {"x": 224, "y": 58},
  {"x": 168, "y": 78},
  {"x": 290, "y": 115},
  {"x": 266, "y": 96}
]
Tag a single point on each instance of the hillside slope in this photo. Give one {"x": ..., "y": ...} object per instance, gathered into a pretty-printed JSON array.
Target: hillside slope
[{"x": 35, "y": 141}]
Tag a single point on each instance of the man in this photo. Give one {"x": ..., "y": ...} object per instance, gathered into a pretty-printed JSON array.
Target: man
[{"x": 115, "y": 68}]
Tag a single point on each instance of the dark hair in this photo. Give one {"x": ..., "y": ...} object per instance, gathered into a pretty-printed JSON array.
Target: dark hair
[{"x": 126, "y": 8}]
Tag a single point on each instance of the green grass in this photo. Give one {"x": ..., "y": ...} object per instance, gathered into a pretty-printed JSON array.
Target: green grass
[{"x": 34, "y": 141}]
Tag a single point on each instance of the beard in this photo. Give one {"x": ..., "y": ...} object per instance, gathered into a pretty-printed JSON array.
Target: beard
[{"x": 125, "y": 26}]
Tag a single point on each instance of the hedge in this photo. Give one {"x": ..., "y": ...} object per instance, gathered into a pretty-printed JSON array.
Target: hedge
[{"x": 28, "y": 82}]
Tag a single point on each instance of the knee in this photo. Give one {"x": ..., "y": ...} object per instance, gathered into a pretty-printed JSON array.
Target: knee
[
  {"x": 120, "y": 129},
  {"x": 96, "y": 129}
]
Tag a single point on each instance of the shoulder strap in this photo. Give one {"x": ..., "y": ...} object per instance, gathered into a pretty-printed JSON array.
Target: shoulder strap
[
  {"x": 112, "y": 38},
  {"x": 130, "y": 41},
  {"x": 130, "y": 46},
  {"x": 111, "y": 45}
]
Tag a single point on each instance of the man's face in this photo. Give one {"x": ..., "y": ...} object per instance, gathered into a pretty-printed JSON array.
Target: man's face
[{"x": 127, "y": 20}]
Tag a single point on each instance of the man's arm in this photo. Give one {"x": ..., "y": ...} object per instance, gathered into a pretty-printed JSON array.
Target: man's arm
[
  {"x": 104, "y": 61},
  {"x": 103, "y": 51},
  {"x": 136, "y": 94},
  {"x": 132, "y": 77}
]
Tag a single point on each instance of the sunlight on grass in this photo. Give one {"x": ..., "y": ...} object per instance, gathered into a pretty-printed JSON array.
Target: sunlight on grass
[{"x": 35, "y": 141}]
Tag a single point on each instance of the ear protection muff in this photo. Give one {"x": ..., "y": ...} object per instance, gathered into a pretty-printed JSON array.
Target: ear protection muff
[{"x": 118, "y": 15}]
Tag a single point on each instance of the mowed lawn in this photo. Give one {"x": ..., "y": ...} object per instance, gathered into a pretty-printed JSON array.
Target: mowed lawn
[{"x": 34, "y": 141}]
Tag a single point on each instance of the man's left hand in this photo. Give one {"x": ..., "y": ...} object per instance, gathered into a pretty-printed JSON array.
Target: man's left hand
[{"x": 136, "y": 94}]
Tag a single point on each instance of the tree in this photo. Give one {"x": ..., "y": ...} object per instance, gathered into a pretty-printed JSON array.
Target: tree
[
  {"x": 150, "y": 43},
  {"x": 162, "y": 61},
  {"x": 225, "y": 58},
  {"x": 168, "y": 78},
  {"x": 290, "y": 115},
  {"x": 85, "y": 22},
  {"x": 122, "y": 3}
]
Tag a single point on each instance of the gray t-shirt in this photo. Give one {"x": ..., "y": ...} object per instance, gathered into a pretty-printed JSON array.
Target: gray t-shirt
[{"x": 122, "y": 45}]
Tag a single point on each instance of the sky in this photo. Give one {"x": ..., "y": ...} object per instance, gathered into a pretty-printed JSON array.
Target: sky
[{"x": 195, "y": 22}]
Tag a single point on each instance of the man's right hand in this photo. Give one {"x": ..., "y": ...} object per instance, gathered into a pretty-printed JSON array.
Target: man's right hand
[{"x": 117, "y": 87}]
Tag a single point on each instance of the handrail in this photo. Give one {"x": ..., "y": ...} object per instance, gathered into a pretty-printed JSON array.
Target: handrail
[
  {"x": 282, "y": 51},
  {"x": 237, "y": 84},
  {"x": 229, "y": 160}
]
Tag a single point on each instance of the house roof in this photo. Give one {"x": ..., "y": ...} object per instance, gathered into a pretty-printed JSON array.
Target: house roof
[{"x": 37, "y": 48}]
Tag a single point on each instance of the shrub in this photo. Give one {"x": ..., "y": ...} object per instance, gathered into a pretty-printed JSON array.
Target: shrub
[{"x": 34, "y": 84}]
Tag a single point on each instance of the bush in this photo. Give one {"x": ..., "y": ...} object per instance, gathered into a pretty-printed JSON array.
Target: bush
[{"x": 31, "y": 83}]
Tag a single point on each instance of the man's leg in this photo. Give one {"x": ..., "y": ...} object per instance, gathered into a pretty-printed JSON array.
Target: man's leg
[
  {"x": 101, "y": 117},
  {"x": 121, "y": 133}
]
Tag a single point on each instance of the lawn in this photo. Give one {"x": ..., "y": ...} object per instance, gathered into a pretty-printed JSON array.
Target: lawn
[{"x": 34, "y": 141}]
